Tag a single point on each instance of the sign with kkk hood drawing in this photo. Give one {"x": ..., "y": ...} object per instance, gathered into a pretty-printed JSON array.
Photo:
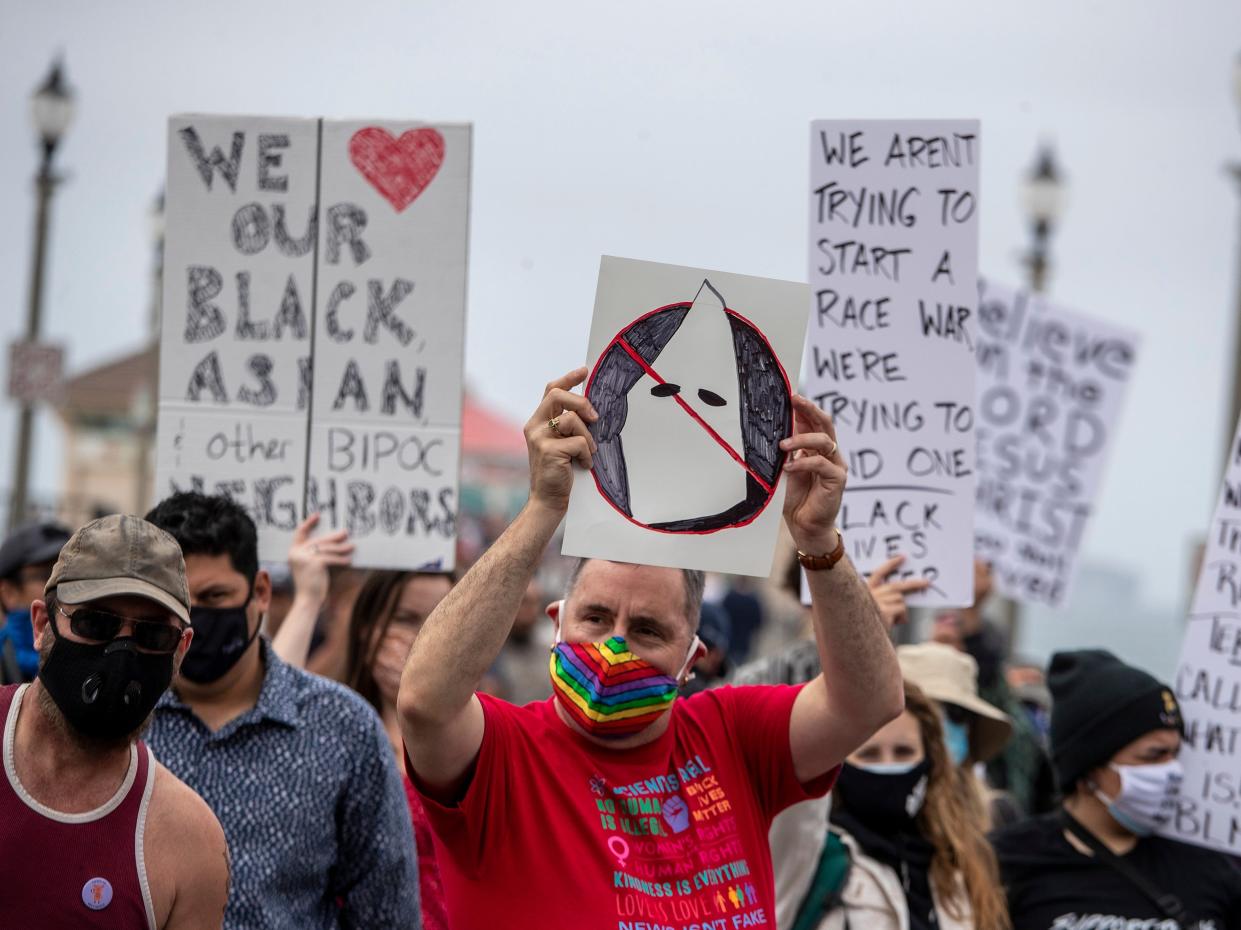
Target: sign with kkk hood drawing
[{"x": 689, "y": 372}]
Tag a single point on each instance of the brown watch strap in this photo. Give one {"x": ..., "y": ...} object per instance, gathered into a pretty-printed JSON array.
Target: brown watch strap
[{"x": 815, "y": 563}]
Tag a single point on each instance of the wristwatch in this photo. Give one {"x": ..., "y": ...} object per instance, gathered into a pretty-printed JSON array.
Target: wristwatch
[{"x": 815, "y": 563}]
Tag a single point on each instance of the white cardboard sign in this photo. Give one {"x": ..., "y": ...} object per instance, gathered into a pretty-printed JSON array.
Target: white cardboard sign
[
  {"x": 1051, "y": 385},
  {"x": 689, "y": 375},
  {"x": 1208, "y": 682},
  {"x": 893, "y": 272},
  {"x": 314, "y": 312}
]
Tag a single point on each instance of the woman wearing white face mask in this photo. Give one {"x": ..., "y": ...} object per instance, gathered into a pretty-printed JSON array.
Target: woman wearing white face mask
[
  {"x": 1115, "y": 736},
  {"x": 905, "y": 849}
]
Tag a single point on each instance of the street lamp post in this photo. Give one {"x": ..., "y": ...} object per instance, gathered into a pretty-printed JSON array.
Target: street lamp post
[
  {"x": 1043, "y": 194},
  {"x": 145, "y": 408},
  {"x": 51, "y": 110}
]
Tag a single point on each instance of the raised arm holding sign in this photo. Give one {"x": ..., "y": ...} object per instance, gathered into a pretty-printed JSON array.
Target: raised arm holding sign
[{"x": 612, "y": 771}]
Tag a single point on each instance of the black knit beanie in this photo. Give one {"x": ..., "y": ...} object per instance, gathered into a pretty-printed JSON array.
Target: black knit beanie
[{"x": 1099, "y": 706}]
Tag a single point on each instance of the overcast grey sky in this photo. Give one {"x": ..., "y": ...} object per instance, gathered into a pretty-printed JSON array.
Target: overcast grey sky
[{"x": 676, "y": 131}]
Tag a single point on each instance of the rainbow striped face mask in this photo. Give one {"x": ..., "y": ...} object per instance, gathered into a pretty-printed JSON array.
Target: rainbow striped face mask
[{"x": 607, "y": 690}]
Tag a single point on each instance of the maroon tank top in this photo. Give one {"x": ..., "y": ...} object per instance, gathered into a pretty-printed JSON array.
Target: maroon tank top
[{"x": 72, "y": 871}]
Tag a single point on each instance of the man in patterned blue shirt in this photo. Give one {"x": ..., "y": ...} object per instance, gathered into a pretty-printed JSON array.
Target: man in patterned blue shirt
[{"x": 296, "y": 767}]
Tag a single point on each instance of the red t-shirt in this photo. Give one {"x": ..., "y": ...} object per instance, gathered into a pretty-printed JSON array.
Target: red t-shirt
[
  {"x": 557, "y": 832},
  {"x": 430, "y": 888}
]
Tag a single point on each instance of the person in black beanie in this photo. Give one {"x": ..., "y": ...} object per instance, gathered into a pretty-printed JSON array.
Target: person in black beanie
[{"x": 1096, "y": 862}]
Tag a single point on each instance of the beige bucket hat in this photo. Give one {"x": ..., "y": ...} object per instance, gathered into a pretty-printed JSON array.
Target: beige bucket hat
[{"x": 950, "y": 676}]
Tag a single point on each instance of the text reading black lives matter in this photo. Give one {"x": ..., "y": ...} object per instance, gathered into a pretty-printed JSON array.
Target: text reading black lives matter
[{"x": 892, "y": 269}]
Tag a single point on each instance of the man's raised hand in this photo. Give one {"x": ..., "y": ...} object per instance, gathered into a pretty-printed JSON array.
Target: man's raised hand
[
  {"x": 310, "y": 558},
  {"x": 815, "y": 471},
  {"x": 557, "y": 435},
  {"x": 890, "y": 595}
]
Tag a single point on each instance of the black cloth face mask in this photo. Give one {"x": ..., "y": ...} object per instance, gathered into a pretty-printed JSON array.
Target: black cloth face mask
[
  {"x": 105, "y": 690},
  {"x": 221, "y": 637},
  {"x": 886, "y": 801},
  {"x": 880, "y": 811}
]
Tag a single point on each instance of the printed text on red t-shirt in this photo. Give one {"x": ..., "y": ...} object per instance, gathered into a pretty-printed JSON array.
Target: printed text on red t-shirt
[{"x": 679, "y": 860}]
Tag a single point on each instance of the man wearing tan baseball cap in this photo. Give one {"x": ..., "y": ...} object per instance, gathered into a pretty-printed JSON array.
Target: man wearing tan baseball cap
[{"x": 93, "y": 831}]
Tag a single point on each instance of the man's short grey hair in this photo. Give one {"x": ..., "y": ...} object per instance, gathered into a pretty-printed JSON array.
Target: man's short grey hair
[{"x": 695, "y": 583}]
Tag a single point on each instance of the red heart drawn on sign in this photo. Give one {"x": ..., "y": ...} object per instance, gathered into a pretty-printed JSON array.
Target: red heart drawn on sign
[{"x": 399, "y": 168}]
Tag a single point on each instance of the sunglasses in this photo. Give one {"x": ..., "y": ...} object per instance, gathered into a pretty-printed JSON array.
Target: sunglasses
[{"x": 101, "y": 626}]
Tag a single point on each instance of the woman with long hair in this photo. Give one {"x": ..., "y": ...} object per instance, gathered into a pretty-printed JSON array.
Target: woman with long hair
[
  {"x": 906, "y": 846},
  {"x": 386, "y": 619}
]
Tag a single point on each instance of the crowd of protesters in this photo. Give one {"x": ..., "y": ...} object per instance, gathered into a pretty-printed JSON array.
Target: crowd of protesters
[{"x": 194, "y": 740}]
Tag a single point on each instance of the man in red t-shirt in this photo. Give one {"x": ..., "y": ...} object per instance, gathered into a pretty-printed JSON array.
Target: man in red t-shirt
[{"x": 613, "y": 805}]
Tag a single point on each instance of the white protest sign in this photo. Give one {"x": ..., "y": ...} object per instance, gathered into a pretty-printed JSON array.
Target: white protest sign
[
  {"x": 1208, "y": 682},
  {"x": 235, "y": 338},
  {"x": 689, "y": 375},
  {"x": 1050, "y": 389},
  {"x": 314, "y": 312},
  {"x": 893, "y": 271},
  {"x": 389, "y": 342}
]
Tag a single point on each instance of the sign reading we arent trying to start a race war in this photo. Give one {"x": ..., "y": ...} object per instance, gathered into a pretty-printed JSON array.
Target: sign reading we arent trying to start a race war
[
  {"x": 893, "y": 275},
  {"x": 313, "y": 328}
]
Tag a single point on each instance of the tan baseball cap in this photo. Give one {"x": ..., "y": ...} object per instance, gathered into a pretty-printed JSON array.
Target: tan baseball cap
[
  {"x": 121, "y": 554},
  {"x": 950, "y": 676}
]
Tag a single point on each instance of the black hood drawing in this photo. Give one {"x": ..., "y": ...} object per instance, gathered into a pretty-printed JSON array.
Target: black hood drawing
[{"x": 706, "y": 403}]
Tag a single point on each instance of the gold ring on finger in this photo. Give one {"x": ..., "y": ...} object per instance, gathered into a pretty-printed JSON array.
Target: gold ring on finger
[{"x": 554, "y": 424}]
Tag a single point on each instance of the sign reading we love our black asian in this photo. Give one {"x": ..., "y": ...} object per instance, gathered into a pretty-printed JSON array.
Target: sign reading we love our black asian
[{"x": 313, "y": 330}]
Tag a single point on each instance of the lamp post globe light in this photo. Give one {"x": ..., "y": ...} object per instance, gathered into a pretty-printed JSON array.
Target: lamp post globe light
[
  {"x": 1043, "y": 195},
  {"x": 51, "y": 111},
  {"x": 51, "y": 108}
]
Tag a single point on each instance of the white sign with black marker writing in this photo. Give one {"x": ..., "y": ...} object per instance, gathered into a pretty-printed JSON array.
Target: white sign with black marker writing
[
  {"x": 893, "y": 275},
  {"x": 1051, "y": 385},
  {"x": 235, "y": 337},
  {"x": 389, "y": 343},
  {"x": 314, "y": 314},
  {"x": 689, "y": 376},
  {"x": 1208, "y": 682}
]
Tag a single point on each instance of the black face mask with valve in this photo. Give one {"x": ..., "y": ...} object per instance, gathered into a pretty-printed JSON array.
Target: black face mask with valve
[
  {"x": 105, "y": 690},
  {"x": 221, "y": 637}
]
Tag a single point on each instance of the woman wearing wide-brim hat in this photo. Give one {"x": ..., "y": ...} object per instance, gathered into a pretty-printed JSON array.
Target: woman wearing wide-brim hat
[{"x": 974, "y": 730}]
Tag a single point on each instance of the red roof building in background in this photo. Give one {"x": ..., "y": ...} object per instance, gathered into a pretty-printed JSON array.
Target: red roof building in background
[{"x": 486, "y": 434}]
